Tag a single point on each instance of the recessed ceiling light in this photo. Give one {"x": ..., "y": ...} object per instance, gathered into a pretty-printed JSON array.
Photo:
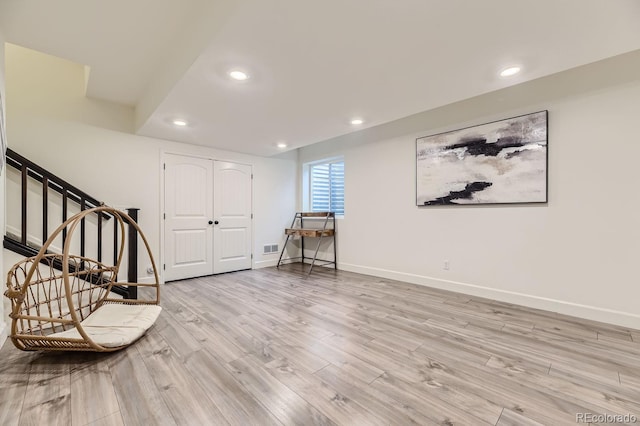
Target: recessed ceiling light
[
  {"x": 357, "y": 121},
  {"x": 238, "y": 75},
  {"x": 281, "y": 145},
  {"x": 180, "y": 122},
  {"x": 508, "y": 72}
]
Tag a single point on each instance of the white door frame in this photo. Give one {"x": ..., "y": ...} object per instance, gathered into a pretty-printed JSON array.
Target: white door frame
[{"x": 163, "y": 154}]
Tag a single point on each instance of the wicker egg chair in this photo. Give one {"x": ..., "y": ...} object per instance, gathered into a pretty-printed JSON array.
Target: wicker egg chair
[{"x": 74, "y": 310}]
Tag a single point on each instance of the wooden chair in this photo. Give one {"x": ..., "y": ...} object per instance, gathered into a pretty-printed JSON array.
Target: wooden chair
[{"x": 74, "y": 310}]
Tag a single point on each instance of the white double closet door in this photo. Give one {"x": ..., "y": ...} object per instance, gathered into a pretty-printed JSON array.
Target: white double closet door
[{"x": 207, "y": 217}]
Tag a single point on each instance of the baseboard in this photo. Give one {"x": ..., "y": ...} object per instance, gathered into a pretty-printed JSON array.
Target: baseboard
[
  {"x": 265, "y": 263},
  {"x": 593, "y": 313}
]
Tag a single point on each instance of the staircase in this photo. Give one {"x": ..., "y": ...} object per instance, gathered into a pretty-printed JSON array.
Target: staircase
[{"x": 38, "y": 200}]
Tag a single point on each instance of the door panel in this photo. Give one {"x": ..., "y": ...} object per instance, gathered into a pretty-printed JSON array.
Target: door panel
[
  {"x": 190, "y": 247},
  {"x": 232, "y": 209},
  {"x": 188, "y": 209}
]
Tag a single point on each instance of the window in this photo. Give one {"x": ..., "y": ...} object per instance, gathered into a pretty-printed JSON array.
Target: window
[{"x": 326, "y": 186}]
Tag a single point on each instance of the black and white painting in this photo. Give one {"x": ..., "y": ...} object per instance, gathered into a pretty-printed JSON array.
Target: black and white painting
[{"x": 494, "y": 163}]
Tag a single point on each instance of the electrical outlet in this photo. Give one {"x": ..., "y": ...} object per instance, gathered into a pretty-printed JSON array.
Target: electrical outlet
[{"x": 446, "y": 265}]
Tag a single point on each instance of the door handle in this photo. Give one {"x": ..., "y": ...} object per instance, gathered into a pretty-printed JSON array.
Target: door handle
[
  {"x": 210, "y": 222},
  {"x": 216, "y": 222}
]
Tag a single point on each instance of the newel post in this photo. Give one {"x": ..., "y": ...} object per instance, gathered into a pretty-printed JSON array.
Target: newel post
[{"x": 132, "y": 274}]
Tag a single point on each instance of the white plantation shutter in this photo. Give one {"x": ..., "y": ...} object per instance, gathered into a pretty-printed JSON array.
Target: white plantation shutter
[{"x": 327, "y": 187}]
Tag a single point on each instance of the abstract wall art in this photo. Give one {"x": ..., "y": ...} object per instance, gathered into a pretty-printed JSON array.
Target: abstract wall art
[{"x": 501, "y": 162}]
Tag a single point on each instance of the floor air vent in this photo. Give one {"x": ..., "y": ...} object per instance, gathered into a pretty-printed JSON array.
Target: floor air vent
[{"x": 270, "y": 248}]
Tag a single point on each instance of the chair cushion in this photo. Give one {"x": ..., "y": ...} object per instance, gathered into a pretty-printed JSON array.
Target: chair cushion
[
  {"x": 114, "y": 325},
  {"x": 122, "y": 315}
]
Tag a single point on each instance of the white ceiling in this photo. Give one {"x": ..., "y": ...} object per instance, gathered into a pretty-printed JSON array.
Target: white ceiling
[{"x": 314, "y": 65}]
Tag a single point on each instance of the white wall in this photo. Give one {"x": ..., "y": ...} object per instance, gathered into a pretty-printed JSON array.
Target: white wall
[
  {"x": 87, "y": 143},
  {"x": 576, "y": 255},
  {"x": 3, "y": 328}
]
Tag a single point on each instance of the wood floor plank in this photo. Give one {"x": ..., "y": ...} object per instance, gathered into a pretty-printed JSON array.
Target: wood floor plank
[
  {"x": 340, "y": 408},
  {"x": 333, "y": 324},
  {"x": 14, "y": 379},
  {"x": 549, "y": 392},
  {"x": 327, "y": 352},
  {"x": 233, "y": 400},
  {"x": 550, "y": 348},
  {"x": 431, "y": 405},
  {"x": 12, "y": 391},
  {"x": 614, "y": 336},
  {"x": 394, "y": 331},
  {"x": 341, "y": 358},
  {"x": 511, "y": 418},
  {"x": 48, "y": 395},
  {"x": 286, "y": 405},
  {"x": 281, "y": 347},
  {"x": 185, "y": 399},
  {"x": 580, "y": 322},
  {"x": 139, "y": 399},
  {"x": 289, "y": 321},
  {"x": 507, "y": 392},
  {"x": 208, "y": 335},
  {"x": 114, "y": 419},
  {"x": 383, "y": 405},
  {"x": 487, "y": 314},
  {"x": 368, "y": 352},
  {"x": 517, "y": 327},
  {"x": 92, "y": 393},
  {"x": 580, "y": 373},
  {"x": 624, "y": 346},
  {"x": 222, "y": 339},
  {"x": 577, "y": 350},
  {"x": 630, "y": 381},
  {"x": 602, "y": 399},
  {"x": 182, "y": 342},
  {"x": 516, "y": 365},
  {"x": 456, "y": 343}
]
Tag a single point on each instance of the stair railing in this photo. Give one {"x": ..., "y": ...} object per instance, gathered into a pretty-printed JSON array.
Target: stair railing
[{"x": 70, "y": 193}]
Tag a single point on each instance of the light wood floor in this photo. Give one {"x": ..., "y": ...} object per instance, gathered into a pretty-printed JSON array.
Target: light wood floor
[{"x": 267, "y": 347}]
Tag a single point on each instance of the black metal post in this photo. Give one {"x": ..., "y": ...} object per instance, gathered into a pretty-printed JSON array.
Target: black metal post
[
  {"x": 65, "y": 197},
  {"x": 45, "y": 209},
  {"x": 132, "y": 275},
  {"x": 302, "y": 239},
  {"x": 100, "y": 238},
  {"x": 115, "y": 242},
  {"x": 83, "y": 231},
  {"x": 335, "y": 244},
  {"x": 23, "y": 225}
]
